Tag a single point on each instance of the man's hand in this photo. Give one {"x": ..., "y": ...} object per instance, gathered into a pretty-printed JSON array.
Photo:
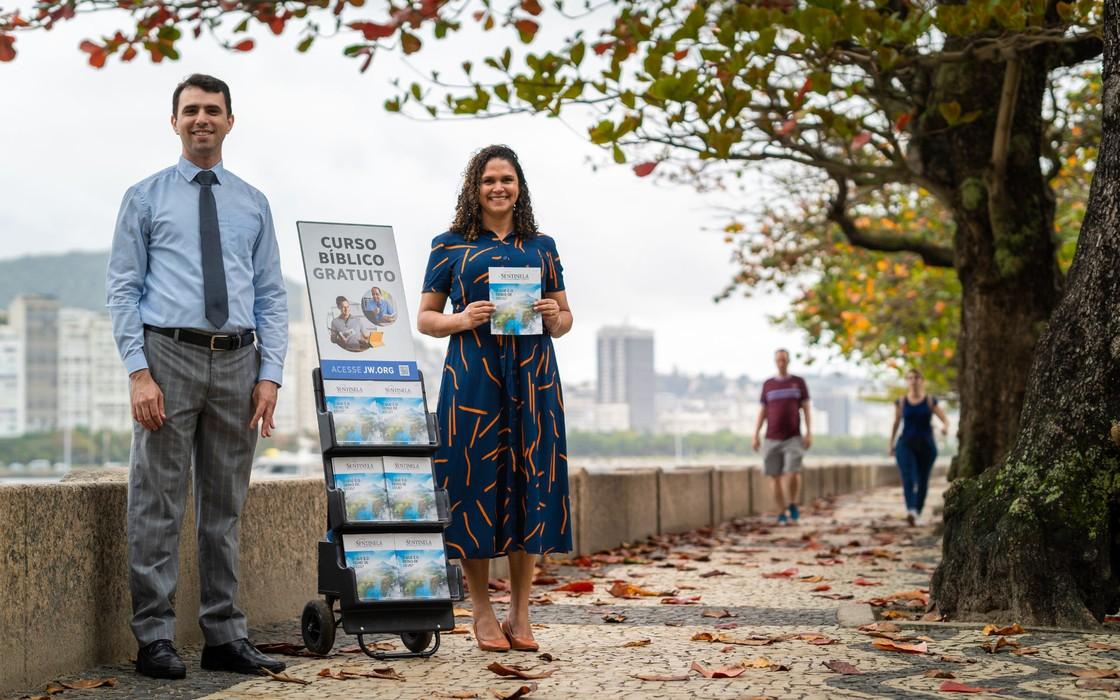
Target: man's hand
[
  {"x": 806, "y": 441},
  {"x": 147, "y": 400},
  {"x": 264, "y": 403},
  {"x": 756, "y": 443},
  {"x": 890, "y": 450}
]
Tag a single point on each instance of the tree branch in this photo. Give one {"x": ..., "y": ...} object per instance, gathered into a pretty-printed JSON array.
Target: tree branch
[
  {"x": 1007, "y": 101},
  {"x": 932, "y": 254}
]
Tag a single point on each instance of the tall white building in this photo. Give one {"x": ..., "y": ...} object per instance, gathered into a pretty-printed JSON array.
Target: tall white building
[
  {"x": 34, "y": 318},
  {"x": 295, "y": 408},
  {"x": 626, "y": 374},
  {"x": 12, "y": 399},
  {"x": 93, "y": 390}
]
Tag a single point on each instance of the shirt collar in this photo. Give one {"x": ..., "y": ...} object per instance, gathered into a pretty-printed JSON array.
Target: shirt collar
[{"x": 188, "y": 170}]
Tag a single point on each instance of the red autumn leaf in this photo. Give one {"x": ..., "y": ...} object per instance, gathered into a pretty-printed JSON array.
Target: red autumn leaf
[
  {"x": 725, "y": 672},
  {"x": 955, "y": 687},
  {"x": 902, "y": 121},
  {"x": 679, "y": 55},
  {"x": 861, "y": 581},
  {"x": 643, "y": 169},
  {"x": 545, "y": 581},
  {"x": 1112, "y": 618},
  {"x": 805, "y": 88},
  {"x": 842, "y": 667},
  {"x": 410, "y": 43},
  {"x": 822, "y": 587},
  {"x": 718, "y": 614},
  {"x": 786, "y": 573},
  {"x": 527, "y": 28},
  {"x": 1096, "y": 673},
  {"x": 860, "y": 140},
  {"x": 129, "y": 54},
  {"x": 614, "y": 618},
  {"x": 577, "y": 587},
  {"x": 519, "y": 671},
  {"x": 7, "y": 48},
  {"x": 990, "y": 630},
  {"x": 498, "y": 584},
  {"x": 602, "y": 47},
  {"x": 244, "y": 45},
  {"x": 373, "y": 31},
  {"x": 690, "y": 600},
  {"x": 938, "y": 673},
  {"x": 1102, "y": 646},
  {"x": 787, "y": 127},
  {"x": 532, "y": 7},
  {"x": 519, "y": 693}
]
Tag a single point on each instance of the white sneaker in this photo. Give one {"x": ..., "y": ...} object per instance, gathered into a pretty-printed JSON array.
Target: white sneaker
[{"x": 911, "y": 518}]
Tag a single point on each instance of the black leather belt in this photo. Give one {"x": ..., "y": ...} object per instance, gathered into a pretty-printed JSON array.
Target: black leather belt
[{"x": 214, "y": 341}]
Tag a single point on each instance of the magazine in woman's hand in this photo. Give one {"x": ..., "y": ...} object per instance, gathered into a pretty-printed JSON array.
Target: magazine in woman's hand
[{"x": 513, "y": 291}]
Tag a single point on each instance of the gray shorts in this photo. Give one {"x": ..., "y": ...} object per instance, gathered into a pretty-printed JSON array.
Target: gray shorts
[{"x": 782, "y": 456}]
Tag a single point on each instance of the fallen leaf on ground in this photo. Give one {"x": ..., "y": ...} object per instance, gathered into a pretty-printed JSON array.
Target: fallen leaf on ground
[
  {"x": 1095, "y": 673},
  {"x": 285, "y": 648},
  {"x": 638, "y": 643},
  {"x": 894, "y": 615},
  {"x": 285, "y": 678},
  {"x": 842, "y": 667},
  {"x": 786, "y": 573},
  {"x": 861, "y": 581},
  {"x": 938, "y": 673},
  {"x": 457, "y": 629},
  {"x": 1101, "y": 646},
  {"x": 880, "y": 627},
  {"x": 763, "y": 662},
  {"x": 724, "y": 672},
  {"x": 87, "y": 683},
  {"x": 690, "y": 600},
  {"x": 727, "y": 639},
  {"x": 352, "y": 649},
  {"x": 622, "y": 589},
  {"x": 1026, "y": 651},
  {"x": 661, "y": 677},
  {"x": 714, "y": 572},
  {"x": 546, "y": 657},
  {"x": 1097, "y": 684},
  {"x": 997, "y": 644},
  {"x": 811, "y": 579},
  {"x": 718, "y": 614},
  {"x": 577, "y": 587},
  {"x": 519, "y": 693},
  {"x": 614, "y": 618},
  {"x": 545, "y": 581},
  {"x": 955, "y": 687},
  {"x": 990, "y": 630},
  {"x": 822, "y": 587},
  {"x": 891, "y": 645},
  {"x": 53, "y": 688},
  {"x": 957, "y": 659},
  {"x": 932, "y": 616},
  {"x": 519, "y": 671},
  {"x": 836, "y": 596},
  {"x": 462, "y": 612},
  {"x": 461, "y": 695}
]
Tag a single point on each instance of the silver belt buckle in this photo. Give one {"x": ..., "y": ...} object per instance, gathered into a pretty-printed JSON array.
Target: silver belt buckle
[{"x": 215, "y": 337}]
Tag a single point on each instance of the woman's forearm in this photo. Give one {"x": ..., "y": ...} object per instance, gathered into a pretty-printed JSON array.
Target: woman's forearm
[
  {"x": 438, "y": 324},
  {"x": 563, "y": 324}
]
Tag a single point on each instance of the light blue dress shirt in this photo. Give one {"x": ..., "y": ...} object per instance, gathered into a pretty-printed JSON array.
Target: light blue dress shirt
[{"x": 155, "y": 267}]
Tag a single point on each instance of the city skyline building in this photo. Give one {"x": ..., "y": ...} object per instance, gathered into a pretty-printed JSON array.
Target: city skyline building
[
  {"x": 34, "y": 318},
  {"x": 626, "y": 373},
  {"x": 12, "y": 400}
]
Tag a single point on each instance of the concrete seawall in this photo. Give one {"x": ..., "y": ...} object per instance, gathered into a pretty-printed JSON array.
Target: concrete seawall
[{"x": 64, "y": 599}]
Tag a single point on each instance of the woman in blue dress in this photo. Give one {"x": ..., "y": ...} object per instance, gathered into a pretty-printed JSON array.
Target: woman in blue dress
[
  {"x": 502, "y": 457},
  {"x": 916, "y": 449}
]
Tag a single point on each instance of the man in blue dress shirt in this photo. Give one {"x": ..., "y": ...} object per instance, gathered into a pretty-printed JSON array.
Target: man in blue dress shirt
[{"x": 201, "y": 322}]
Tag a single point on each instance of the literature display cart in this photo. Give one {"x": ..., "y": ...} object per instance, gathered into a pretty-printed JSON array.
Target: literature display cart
[{"x": 382, "y": 565}]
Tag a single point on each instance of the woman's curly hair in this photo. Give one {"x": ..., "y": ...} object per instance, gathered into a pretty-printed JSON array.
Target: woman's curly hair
[{"x": 468, "y": 210}]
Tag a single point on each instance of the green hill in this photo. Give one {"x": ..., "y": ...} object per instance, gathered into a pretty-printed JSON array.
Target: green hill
[{"x": 77, "y": 279}]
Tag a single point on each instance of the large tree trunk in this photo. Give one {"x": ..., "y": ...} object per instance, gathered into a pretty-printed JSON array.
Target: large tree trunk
[
  {"x": 1005, "y": 255},
  {"x": 1037, "y": 540}
]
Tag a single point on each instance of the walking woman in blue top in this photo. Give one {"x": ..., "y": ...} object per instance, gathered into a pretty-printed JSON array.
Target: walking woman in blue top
[
  {"x": 502, "y": 457},
  {"x": 916, "y": 449}
]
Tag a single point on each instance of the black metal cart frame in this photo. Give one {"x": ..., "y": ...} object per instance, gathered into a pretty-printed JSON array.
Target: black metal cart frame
[{"x": 418, "y": 622}]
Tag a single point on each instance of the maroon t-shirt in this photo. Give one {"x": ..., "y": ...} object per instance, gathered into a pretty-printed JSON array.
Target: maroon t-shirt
[{"x": 782, "y": 398}]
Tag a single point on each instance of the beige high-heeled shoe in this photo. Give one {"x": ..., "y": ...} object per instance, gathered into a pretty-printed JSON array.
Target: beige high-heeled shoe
[
  {"x": 518, "y": 643},
  {"x": 484, "y": 645}
]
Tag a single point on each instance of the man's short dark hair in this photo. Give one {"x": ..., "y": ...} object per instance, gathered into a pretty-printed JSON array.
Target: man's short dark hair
[
  {"x": 338, "y": 301},
  {"x": 206, "y": 83},
  {"x": 782, "y": 350}
]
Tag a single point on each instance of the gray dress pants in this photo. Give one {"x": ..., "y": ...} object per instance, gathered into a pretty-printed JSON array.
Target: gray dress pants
[{"x": 208, "y": 401}]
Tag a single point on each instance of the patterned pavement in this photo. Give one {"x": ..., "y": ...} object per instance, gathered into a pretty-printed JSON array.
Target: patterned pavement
[{"x": 749, "y": 600}]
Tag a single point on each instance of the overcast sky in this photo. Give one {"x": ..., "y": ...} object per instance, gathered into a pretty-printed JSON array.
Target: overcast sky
[{"x": 311, "y": 133}]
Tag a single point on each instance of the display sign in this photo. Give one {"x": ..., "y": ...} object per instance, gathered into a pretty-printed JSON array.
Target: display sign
[{"x": 362, "y": 327}]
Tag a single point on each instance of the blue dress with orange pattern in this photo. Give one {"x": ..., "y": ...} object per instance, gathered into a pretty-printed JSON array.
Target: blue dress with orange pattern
[{"x": 502, "y": 455}]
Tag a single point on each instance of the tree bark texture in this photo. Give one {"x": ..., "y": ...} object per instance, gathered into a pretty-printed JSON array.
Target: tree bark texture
[
  {"x": 1005, "y": 252},
  {"x": 1037, "y": 540}
]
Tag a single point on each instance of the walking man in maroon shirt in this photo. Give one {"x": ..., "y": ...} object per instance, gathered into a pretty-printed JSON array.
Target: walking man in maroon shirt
[{"x": 784, "y": 398}]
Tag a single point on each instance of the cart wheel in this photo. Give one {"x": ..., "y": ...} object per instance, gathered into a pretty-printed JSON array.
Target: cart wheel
[
  {"x": 317, "y": 626},
  {"x": 416, "y": 641}
]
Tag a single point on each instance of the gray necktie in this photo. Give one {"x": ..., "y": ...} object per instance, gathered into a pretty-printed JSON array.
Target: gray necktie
[{"x": 213, "y": 270}]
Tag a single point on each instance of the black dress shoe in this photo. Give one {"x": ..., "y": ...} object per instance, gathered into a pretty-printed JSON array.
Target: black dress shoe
[
  {"x": 160, "y": 660},
  {"x": 238, "y": 656}
]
